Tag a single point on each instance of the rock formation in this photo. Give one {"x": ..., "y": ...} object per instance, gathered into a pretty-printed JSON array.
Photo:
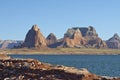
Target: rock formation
[
  {"x": 96, "y": 43},
  {"x": 114, "y": 42},
  {"x": 83, "y": 36},
  {"x": 34, "y": 38},
  {"x": 93, "y": 40},
  {"x": 51, "y": 40},
  {"x": 73, "y": 38},
  {"x": 30, "y": 69}
]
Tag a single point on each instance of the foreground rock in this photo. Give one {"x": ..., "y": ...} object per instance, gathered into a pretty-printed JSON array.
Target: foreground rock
[
  {"x": 35, "y": 38},
  {"x": 29, "y": 69}
]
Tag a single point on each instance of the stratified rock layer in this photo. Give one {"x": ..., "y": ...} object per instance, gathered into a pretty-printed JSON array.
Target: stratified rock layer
[{"x": 34, "y": 38}]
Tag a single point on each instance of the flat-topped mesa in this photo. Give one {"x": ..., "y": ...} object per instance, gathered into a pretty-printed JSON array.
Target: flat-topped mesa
[
  {"x": 34, "y": 38},
  {"x": 87, "y": 31},
  {"x": 114, "y": 42},
  {"x": 85, "y": 36}
]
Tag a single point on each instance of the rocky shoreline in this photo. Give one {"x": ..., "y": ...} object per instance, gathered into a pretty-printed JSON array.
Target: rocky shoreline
[{"x": 30, "y": 69}]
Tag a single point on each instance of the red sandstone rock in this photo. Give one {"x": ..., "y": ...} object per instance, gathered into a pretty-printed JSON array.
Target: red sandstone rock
[
  {"x": 34, "y": 38},
  {"x": 73, "y": 38}
]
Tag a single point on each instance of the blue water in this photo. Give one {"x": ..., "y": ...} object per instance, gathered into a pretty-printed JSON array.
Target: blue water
[{"x": 104, "y": 65}]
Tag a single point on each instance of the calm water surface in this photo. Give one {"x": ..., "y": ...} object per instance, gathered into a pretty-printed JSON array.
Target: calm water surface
[{"x": 104, "y": 65}]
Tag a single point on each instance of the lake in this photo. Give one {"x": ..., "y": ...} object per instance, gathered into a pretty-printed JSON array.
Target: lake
[{"x": 104, "y": 65}]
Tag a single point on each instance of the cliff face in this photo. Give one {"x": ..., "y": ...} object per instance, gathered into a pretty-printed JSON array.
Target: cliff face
[
  {"x": 73, "y": 38},
  {"x": 114, "y": 42},
  {"x": 34, "y": 38}
]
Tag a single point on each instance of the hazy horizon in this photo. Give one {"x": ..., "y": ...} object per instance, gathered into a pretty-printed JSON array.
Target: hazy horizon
[{"x": 56, "y": 16}]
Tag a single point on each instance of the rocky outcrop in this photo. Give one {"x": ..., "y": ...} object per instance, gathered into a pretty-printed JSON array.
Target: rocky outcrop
[
  {"x": 114, "y": 42},
  {"x": 73, "y": 38},
  {"x": 30, "y": 69},
  {"x": 34, "y": 38}
]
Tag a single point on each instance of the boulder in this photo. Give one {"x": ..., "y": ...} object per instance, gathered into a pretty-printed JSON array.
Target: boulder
[
  {"x": 114, "y": 42},
  {"x": 35, "y": 38}
]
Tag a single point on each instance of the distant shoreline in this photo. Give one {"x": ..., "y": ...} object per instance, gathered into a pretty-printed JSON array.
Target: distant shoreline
[{"x": 62, "y": 51}]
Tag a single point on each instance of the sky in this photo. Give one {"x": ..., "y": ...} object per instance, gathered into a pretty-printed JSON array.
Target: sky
[{"x": 56, "y": 16}]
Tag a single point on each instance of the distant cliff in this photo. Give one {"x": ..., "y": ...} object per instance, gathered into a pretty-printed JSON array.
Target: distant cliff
[
  {"x": 76, "y": 37},
  {"x": 83, "y": 36},
  {"x": 114, "y": 42},
  {"x": 10, "y": 44}
]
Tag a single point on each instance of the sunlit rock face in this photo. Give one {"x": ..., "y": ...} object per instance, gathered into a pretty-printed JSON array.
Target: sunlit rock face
[
  {"x": 34, "y": 38},
  {"x": 73, "y": 38},
  {"x": 83, "y": 36}
]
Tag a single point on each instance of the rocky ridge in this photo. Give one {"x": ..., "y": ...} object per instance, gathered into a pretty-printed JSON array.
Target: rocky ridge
[{"x": 29, "y": 69}]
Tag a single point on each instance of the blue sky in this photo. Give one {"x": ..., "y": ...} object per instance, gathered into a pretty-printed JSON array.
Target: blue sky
[{"x": 56, "y": 16}]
